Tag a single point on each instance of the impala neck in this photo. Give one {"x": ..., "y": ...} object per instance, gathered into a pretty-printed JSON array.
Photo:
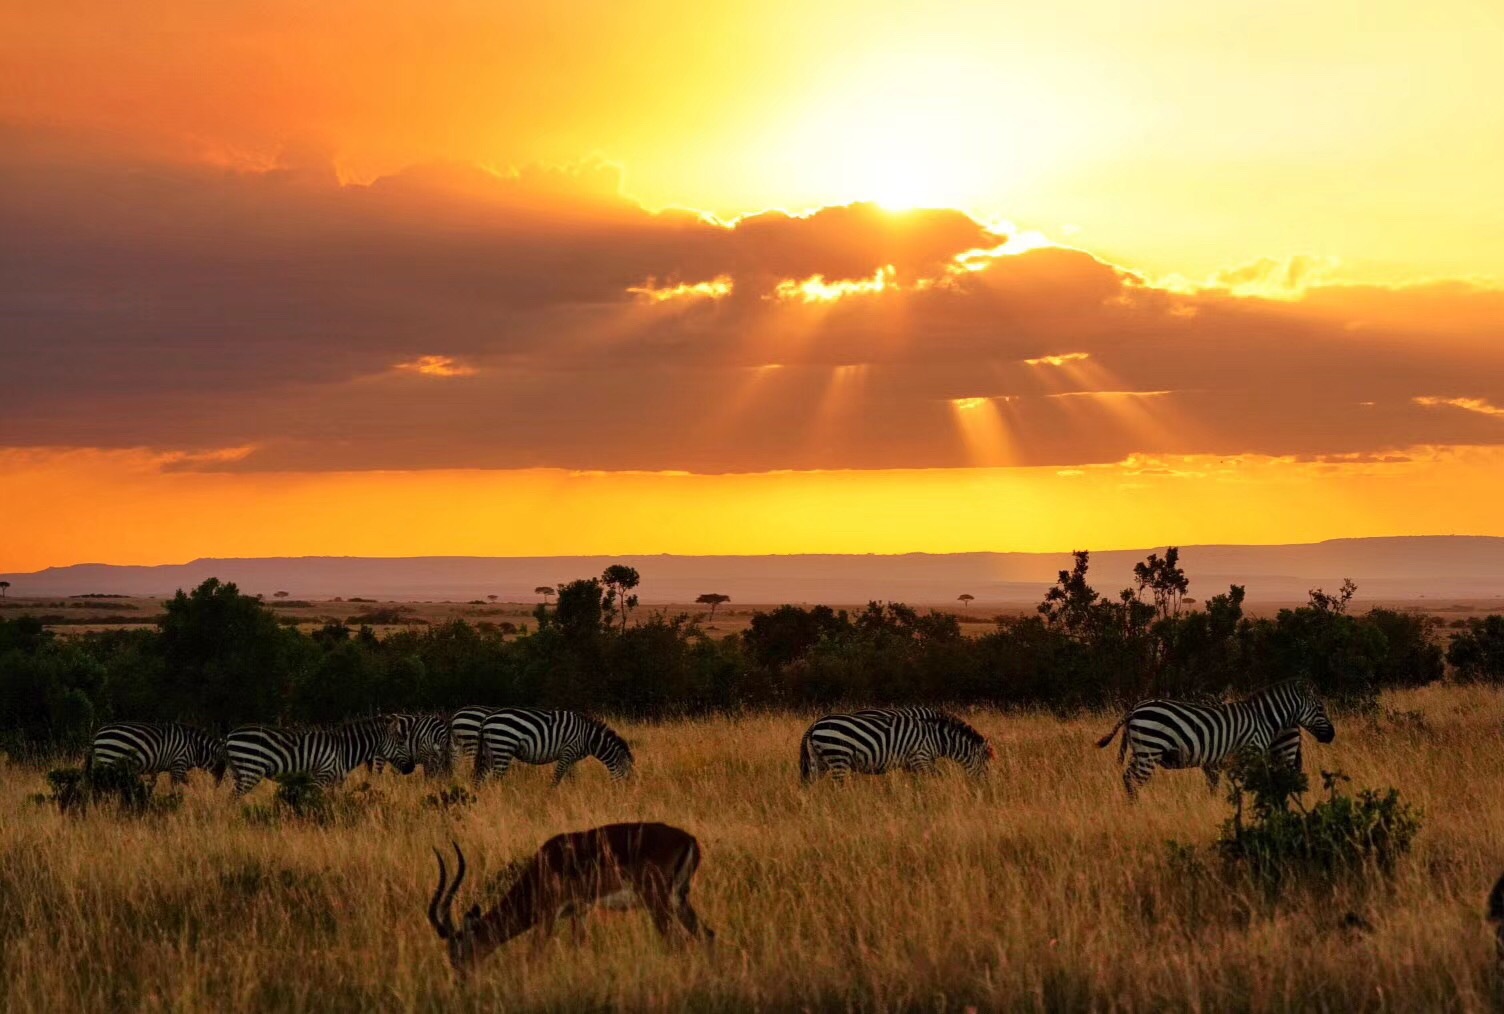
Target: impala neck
[{"x": 517, "y": 912}]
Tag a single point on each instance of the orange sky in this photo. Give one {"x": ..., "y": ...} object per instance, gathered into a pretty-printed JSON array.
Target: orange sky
[{"x": 394, "y": 278}]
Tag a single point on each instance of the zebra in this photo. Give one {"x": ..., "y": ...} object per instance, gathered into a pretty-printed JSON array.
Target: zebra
[
  {"x": 878, "y": 740},
  {"x": 427, "y": 739},
  {"x": 329, "y": 754},
  {"x": 464, "y": 729},
  {"x": 1179, "y": 734},
  {"x": 535, "y": 736},
  {"x": 149, "y": 748}
]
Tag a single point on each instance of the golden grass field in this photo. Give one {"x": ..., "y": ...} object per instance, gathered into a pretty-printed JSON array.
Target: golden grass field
[{"x": 1039, "y": 889}]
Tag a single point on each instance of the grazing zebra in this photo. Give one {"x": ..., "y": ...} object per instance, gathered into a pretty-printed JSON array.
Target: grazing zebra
[
  {"x": 329, "y": 755},
  {"x": 562, "y": 738},
  {"x": 428, "y": 741},
  {"x": 149, "y": 748},
  {"x": 1178, "y": 734},
  {"x": 874, "y": 741}
]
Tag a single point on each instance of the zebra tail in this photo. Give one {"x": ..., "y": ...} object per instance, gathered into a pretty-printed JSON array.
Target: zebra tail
[
  {"x": 806, "y": 759},
  {"x": 1105, "y": 740}
]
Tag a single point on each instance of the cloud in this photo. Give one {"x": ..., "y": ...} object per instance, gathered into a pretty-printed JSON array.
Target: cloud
[
  {"x": 280, "y": 312},
  {"x": 436, "y": 366},
  {"x": 1482, "y": 406}
]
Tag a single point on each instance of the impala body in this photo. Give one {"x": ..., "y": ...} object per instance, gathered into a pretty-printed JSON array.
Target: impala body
[{"x": 617, "y": 865}]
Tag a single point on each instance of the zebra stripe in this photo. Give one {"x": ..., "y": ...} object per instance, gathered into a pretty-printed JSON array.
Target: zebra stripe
[
  {"x": 329, "y": 755},
  {"x": 1180, "y": 734},
  {"x": 464, "y": 729},
  {"x": 427, "y": 742},
  {"x": 877, "y": 740},
  {"x": 561, "y": 738},
  {"x": 149, "y": 748}
]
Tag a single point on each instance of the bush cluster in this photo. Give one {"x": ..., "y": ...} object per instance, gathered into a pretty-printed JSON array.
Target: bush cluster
[
  {"x": 1276, "y": 838},
  {"x": 220, "y": 658}
]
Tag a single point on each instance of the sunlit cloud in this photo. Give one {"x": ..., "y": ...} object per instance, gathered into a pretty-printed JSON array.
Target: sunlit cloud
[
  {"x": 1482, "y": 406},
  {"x": 1110, "y": 394},
  {"x": 815, "y": 289},
  {"x": 717, "y": 288},
  {"x": 1058, "y": 360},
  {"x": 442, "y": 367}
]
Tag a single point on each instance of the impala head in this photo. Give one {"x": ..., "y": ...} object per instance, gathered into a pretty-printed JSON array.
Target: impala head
[{"x": 473, "y": 938}]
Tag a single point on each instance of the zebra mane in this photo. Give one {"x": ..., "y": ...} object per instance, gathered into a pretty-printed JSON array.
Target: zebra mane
[
  {"x": 606, "y": 733},
  {"x": 961, "y": 728}
]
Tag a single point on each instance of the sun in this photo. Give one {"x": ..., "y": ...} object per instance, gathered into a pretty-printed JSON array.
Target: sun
[{"x": 904, "y": 135}]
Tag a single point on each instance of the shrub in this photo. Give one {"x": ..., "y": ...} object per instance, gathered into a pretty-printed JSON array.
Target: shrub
[
  {"x": 1342, "y": 834},
  {"x": 454, "y": 797}
]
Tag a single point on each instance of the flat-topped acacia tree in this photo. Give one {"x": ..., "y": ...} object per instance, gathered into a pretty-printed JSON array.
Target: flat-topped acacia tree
[{"x": 712, "y": 599}]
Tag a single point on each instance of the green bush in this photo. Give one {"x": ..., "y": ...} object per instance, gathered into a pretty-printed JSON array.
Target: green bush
[{"x": 1277, "y": 839}]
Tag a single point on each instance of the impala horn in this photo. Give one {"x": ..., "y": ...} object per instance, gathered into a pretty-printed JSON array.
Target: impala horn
[{"x": 441, "y": 905}]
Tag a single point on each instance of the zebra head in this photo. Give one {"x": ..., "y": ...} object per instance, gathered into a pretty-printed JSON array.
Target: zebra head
[
  {"x": 394, "y": 742},
  {"x": 208, "y": 753},
  {"x": 612, "y": 751},
  {"x": 1295, "y": 702},
  {"x": 964, "y": 745}
]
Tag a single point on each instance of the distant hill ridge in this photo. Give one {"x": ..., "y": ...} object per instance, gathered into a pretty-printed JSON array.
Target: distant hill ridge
[{"x": 1385, "y": 568}]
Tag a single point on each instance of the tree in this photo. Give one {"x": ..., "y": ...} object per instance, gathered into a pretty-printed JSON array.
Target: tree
[
  {"x": 1336, "y": 604},
  {"x": 280, "y": 594},
  {"x": 3, "y": 586},
  {"x": 712, "y": 599},
  {"x": 490, "y": 598},
  {"x": 966, "y": 599},
  {"x": 1165, "y": 580},
  {"x": 545, "y": 590},
  {"x": 619, "y": 580},
  {"x": 1068, "y": 604}
]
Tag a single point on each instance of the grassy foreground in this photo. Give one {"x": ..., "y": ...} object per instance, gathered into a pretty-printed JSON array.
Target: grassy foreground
[{"x": 1040, "y": 889}]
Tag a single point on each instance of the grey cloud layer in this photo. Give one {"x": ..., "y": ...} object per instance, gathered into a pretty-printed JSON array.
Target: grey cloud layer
[{"x": 189, "y": 309}]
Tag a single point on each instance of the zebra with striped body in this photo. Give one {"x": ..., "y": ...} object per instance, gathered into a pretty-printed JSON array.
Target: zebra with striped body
[
  {"x": 329, "y": 755},
  {"x": 1179, "y": 734},
  {"x": 877, "y": 740},
  {"x": 428, "y": 743},
  {"x": 561, "y": 738},
  {"x": 464, "y": 729},
  {"x": 149, "y": 748}
]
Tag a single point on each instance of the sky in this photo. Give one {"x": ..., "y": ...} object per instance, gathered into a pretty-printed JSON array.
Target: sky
[{"x": 398, "y": 278}]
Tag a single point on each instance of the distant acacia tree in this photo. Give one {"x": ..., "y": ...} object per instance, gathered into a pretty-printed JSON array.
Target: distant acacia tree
[
  {"x": 4, "y": 585},
  {"x": 491, "y": 598},
  {"x": 713, "y": 599},
  {"x": 966, "y": 599},
  {"x": 280, "y": 594},
  {"x": 545, "y": 590},
  {"x": 620, "y": 600}
]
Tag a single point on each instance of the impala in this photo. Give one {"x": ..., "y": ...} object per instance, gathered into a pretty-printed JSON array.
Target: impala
[{"x": 616, "y": 866}]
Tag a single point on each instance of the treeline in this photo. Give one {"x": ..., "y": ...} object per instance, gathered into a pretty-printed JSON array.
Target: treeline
[{"x": 221, "y": 658}]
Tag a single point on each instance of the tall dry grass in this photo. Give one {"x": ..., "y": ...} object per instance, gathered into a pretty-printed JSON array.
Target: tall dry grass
[{"x": 1040, "y": 889}]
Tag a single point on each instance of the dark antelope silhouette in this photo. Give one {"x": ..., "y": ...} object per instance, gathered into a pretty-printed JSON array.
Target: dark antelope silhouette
[{"x": 615, "y": 866}]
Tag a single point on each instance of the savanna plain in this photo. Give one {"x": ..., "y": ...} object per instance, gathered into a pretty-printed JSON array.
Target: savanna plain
[{"x": 1038, "y": 888}]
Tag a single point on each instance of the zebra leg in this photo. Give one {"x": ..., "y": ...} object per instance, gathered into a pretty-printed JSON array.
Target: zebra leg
[
  {"x": 179, "y": 773},
  {"x": 562, "y": 768},
  {"x": 920, "y": 765},
  {"x": 245, "y": 781},
  {"x": 1137, "y": 773}
]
